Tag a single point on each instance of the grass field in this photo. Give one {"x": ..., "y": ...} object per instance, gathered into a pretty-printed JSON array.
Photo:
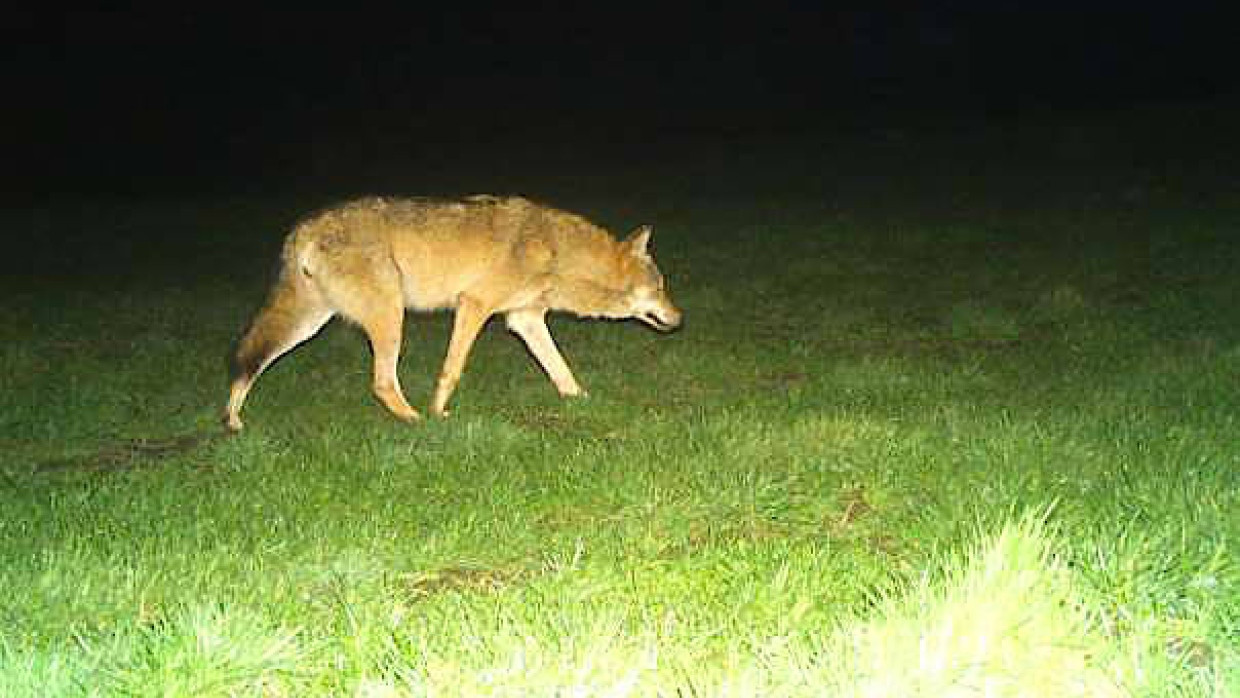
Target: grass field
[{"x": 951, "y": 414}]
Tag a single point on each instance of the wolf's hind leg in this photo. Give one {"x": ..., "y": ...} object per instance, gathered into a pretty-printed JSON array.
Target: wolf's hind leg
[
  {"x": 369, "y": 294},
  {"x": 384, "y": 329},
  {"x": 471, "y": 315}
]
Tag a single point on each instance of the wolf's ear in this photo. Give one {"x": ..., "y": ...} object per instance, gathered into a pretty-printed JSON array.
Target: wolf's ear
[{"x": 638, "y": 241}]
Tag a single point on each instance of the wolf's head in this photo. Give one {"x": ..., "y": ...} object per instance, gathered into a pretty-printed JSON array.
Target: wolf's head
[{"x": 645, "y": 295}]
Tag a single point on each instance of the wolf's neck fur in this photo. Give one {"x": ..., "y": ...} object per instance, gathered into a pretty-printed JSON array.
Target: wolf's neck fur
[{"x": 585, "y": 274}]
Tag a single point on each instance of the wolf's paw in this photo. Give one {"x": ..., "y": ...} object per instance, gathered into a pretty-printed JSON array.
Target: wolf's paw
[
  {"x": 232, "y": 424},
  {"x": 570, "y": 389}
]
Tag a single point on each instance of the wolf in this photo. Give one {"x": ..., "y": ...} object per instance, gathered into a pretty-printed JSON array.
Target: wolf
[{"x": 370, "y": 259}]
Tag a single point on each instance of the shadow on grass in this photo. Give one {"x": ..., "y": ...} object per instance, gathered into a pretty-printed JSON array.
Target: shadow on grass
[
  {"x": 423, "y": 585},
  {"x": 130, "y": 454}
]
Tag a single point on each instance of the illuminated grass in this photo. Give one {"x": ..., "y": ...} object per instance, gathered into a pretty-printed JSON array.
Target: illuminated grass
[{"x": 900, "y": 448}]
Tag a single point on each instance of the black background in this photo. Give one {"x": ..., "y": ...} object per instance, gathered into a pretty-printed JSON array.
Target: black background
[{"x": 151, "y": 103}]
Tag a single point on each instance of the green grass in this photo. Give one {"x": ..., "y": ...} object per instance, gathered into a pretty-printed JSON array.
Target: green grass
[{"x": 937, "y": 425}]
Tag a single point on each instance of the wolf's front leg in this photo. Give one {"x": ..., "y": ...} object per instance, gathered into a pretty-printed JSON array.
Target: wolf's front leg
[{"x": 531, "y": 327}]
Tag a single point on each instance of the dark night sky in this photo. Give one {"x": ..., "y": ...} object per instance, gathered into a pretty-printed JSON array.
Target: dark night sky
[{"x": 190, "y": 98}]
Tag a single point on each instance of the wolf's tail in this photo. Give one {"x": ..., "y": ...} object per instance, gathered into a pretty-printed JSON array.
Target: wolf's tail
[{"x": 294, "y": 311}]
